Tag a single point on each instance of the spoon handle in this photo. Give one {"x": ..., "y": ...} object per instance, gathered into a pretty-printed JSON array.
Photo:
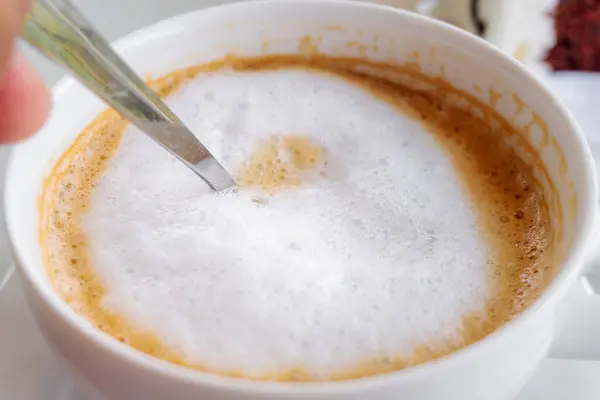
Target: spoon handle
[{"x": 63, "y": 34}]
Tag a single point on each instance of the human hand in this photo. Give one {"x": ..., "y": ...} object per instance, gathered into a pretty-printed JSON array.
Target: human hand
[{"x": 24, "y": 99}]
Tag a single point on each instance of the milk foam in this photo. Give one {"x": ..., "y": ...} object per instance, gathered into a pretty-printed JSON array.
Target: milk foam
[{"x": 372, "y": 259}]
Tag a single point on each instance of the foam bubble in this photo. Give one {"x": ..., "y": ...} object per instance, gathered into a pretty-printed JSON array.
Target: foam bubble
[{"x": 370, "y": 260}]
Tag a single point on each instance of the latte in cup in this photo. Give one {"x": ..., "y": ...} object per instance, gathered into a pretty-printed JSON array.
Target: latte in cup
[{"x": 382, "y": 219}]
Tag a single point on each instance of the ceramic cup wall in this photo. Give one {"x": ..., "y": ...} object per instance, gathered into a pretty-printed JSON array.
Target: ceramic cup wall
[{"x": 494, "y": 368}]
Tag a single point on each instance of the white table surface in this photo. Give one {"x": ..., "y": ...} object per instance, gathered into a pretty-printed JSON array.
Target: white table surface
[{"x": 555, "y": 380}]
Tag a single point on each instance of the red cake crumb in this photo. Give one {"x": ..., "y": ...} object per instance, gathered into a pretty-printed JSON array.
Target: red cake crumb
[{"x": 577, "y": 28}]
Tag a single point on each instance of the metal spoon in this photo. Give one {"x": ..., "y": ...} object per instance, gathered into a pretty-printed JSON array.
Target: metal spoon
[{"x": 62, "y": 33}]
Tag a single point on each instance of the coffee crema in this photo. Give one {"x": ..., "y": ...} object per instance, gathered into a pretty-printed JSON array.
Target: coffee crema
[{"x": 381, "y": 221}]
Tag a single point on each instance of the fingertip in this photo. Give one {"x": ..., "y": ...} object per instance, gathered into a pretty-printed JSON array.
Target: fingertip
[{"x": 24, "y": 101}]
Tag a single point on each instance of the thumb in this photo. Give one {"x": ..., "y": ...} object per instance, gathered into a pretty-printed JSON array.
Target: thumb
[{"x": 24, "y": 100}]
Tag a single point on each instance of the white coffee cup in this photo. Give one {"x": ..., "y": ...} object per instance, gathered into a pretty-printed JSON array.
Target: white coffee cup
[{"x": 494, "y": 368}]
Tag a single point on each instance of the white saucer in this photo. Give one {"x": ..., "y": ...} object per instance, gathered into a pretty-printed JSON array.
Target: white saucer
[{"x": 29, "y": 371}]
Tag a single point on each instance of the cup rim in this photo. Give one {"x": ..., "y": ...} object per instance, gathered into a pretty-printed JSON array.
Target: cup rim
[{"x": 572, "y": 264}]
